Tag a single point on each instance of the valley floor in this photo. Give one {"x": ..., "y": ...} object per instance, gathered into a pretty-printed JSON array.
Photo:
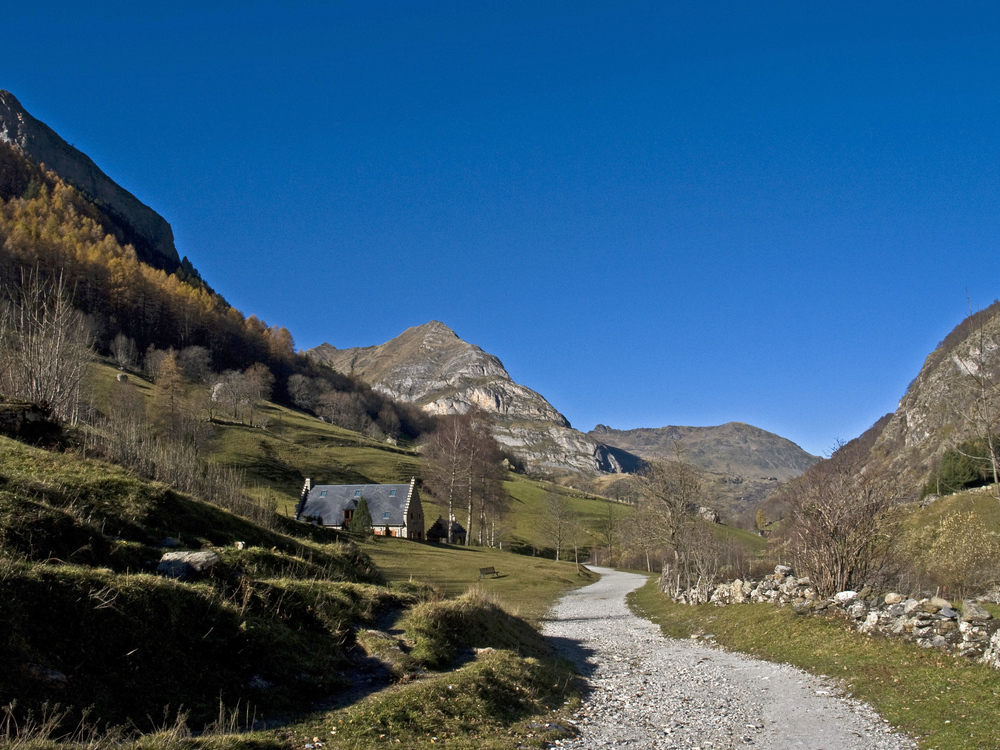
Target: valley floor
[{"x": 645, "y": 690}]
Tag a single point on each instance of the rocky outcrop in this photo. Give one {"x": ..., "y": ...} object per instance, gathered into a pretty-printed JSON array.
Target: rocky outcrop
[
  {"x": 430, "y": 366},
  {"x": 937, "y": 411},
  {"x": 149, "y": 232}
]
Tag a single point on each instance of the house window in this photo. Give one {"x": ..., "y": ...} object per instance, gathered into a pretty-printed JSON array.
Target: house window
[
  {"x": 392, "y": 493},
  {"x": 322, "y": 493},
  {"x": 357, "y": 493},
  {"x": 385, "y": 515}
]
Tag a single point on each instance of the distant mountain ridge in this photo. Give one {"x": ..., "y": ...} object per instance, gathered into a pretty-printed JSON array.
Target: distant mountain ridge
[
  {"x": 145, "y": 229},
  {"x": 430, "y": 366},
  {"x": 733, "y": 448}
]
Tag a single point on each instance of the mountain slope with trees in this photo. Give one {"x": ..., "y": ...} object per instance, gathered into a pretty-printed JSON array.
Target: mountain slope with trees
[{"x": 121, "y": 213}]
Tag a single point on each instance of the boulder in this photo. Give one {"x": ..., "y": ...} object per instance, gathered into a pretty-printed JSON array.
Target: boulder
[
  {"x": 973, "y": 611},
  {"x": 738, "y": 592},
  {"x": 187, "y": 564},
  {"x": 891, "y": 599},
  {"x": 991, "y": 657},
  {"x": 858, "y": 610},
  {"x": 845, "y": 597}
]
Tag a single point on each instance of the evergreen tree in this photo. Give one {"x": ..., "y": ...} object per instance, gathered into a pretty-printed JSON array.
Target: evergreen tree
[{"x": 360, "y": 524}]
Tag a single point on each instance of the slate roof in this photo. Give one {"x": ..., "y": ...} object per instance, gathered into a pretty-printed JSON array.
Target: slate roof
[{"x": 386, "y": 502}]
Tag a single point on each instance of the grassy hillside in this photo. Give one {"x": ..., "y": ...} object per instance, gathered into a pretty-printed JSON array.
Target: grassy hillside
[{"x": 288, "y": 618}]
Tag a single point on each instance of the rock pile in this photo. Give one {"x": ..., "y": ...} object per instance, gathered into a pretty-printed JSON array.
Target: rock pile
[{"x": 931, "y": 622}]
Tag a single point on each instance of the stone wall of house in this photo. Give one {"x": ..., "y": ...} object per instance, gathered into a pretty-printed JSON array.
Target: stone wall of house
[{"x": 933, "y": 622}]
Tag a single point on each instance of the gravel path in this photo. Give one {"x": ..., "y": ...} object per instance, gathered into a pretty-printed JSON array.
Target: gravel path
[{"x": 648, "y": 691}]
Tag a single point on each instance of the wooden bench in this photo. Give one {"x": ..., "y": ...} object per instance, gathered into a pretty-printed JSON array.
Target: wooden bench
[{"x": 491, "y": 571}]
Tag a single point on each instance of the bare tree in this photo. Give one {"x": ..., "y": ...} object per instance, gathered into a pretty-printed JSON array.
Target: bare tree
[
  {"x": 229, "y": 390},
  {"x": 446, "y": 463},
  {"x": 483, "y": 457},
  {"x": 842, "y": 519},
  {"x": 45, "y": 347},
  {"x": 258, "y": 384},
  {"x": 556, "y": 521},
  {"x": 669, "y": 494},
  {"x": 196, "y": 362},
  {"x": 303, "y": 391},
  {"x": 124, "y": 351},
  {"x": 610, "y": 525}
]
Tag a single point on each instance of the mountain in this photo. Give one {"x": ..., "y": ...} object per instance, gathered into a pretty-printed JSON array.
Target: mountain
[
  {"x": 955, "y": 393},
  {"x": 138, "y": 224},
  {"x": 734, "y": 448},
  {"x": 743, "y": 465},
  {"x": 430, "y": 366}
]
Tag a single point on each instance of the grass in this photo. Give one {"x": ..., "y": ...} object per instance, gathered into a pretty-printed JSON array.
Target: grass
[
  {"x": 527, "y": 585},
  {"x": 273, "y": 629},
  {"x": 946, "y": 702},
  {"x": 293, "y": 446},
  {"x": 497, "y": 702}
]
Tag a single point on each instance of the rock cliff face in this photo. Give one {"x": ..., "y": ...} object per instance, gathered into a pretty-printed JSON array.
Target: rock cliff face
[
  {"x": 148, "y": 232},
  {"x": 936, "y": 411},
  {"x": 429, "y": 365}
]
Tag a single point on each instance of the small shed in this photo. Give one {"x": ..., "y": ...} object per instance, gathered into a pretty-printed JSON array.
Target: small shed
[{"x": 438, "y": 532}]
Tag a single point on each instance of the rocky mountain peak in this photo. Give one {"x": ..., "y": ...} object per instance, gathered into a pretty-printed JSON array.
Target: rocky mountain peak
[
  {"x": 148, "y": 232},
  {"x": 430, "y": 366}
]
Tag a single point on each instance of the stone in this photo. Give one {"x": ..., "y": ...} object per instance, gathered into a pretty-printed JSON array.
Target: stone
[
  {"x": 897, "y": 610},
  {"x": 780, "y": 571},
  {"x": 871, "y": 623},
  {"x": 973, "y": 611},
  {"x": 893, "y": 598},
  {"x": 858, "y": 610},
  {"x": 187, "y": 564},
  {"x": 910, "y": 605},
  {"x": 844, "y": 597},
  {"x": 949, "y": 613},
  {"x": 991, "y": 656},
  {"x": 802, "y": 607},
  {"x": 940, "y": 602},
  {"x": 738, "y": 592}
]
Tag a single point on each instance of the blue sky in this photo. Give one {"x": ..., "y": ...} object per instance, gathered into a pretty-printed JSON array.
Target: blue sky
[{"x": 653, "y": 212}]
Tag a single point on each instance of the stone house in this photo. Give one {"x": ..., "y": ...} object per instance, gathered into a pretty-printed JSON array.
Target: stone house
[{"x": 395, "y": 508}]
